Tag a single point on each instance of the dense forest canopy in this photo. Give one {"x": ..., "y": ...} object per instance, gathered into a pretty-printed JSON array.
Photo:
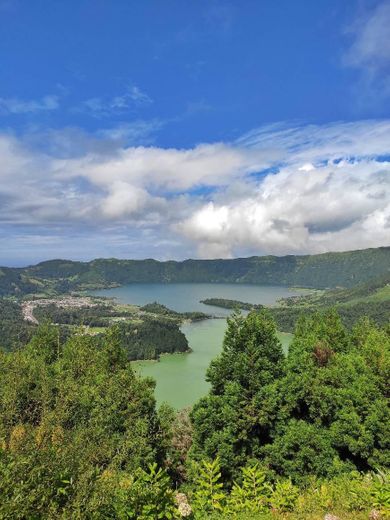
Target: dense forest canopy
[
  {"x": 322, "y": 410},
  {"x": 143, "y": 334},
  {"x": 298, "y": 435},
  {"x": 14, "y": 330}
]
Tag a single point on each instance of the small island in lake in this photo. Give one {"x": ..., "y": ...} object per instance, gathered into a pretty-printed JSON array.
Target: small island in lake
[{"x": 231, "y": 304}]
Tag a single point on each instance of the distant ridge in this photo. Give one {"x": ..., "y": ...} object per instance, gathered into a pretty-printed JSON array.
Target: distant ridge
[{"x": 326, "y": 270}]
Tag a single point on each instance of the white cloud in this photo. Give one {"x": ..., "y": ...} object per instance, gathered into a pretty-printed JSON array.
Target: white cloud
[
  {"x": 168, "y": 169},
  {"x": 22, "y": 106},
  {"x": 137, "y": 95},
  {"x": 125, "y": 199},
  {"x": 311, "y": 143},
  {"x": 333, "y": 207},
  {"x": 276, "y": 190},
  {"x": 131, "y": 99},
  {"x": 369, "y": 52},
  {"x": 134, "y": 132},
  {"x": 370, "y": 48}
]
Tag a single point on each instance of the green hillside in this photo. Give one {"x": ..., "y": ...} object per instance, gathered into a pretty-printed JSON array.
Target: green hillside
[
  {"x": 371, "y": 299},
  {"x": 375, "y": 290},
  {"x": 328, "y": 270}
]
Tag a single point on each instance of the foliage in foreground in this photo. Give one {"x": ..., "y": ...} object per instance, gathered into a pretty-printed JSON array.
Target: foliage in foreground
[
  {"x": 276, "y": 437},
  {"x": 321, "y": 411},
  {"x": 256, "y": 495},
  {"x": 70, "y": 415}
]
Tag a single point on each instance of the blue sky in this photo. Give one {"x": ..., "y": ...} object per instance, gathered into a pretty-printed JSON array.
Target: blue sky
[{"x": 192, "y": 128}]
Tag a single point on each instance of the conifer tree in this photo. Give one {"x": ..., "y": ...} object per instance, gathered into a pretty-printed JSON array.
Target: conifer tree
[{"x": 234, "y": 420}]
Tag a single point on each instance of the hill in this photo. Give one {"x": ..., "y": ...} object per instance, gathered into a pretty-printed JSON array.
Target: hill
[
  {"x": 327, "y": 270},
  {"x": 370, "y": 299},
  {"x": 375, "y": 290}
]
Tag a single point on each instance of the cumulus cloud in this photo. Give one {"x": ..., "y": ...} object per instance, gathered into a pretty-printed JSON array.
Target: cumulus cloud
[
  {"x": 278, "y": 189},
  {"x": 125, "y": 199},
  {"x": 331, "y": 191},
  {"x": 331, "y": 207}
]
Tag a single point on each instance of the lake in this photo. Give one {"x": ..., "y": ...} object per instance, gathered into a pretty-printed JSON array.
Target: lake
[{"x": 180, "y": 378}]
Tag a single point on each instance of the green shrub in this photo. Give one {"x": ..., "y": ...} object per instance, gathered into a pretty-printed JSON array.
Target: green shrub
[
  {"x": 146, "y": 496},
  {"x": 208, "y": 495},
  {"x": 252, "y": 495},
  {"x": 380, "y": 493},
  {"x": 284, "y": 496}
]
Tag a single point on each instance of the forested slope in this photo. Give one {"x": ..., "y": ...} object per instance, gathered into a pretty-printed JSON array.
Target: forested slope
[
  {"x": 326, "y": 270},
  {"x": 141, "y": 334}
]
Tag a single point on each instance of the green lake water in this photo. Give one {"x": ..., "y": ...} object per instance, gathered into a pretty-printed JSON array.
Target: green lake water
[{"x": 180, "y": 378}]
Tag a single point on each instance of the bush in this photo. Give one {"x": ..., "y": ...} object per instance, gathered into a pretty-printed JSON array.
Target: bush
[{"x": 253, "y": 495}]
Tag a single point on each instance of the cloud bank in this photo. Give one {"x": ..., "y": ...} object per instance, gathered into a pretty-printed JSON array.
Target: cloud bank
[{"x": 279, "y": 189}]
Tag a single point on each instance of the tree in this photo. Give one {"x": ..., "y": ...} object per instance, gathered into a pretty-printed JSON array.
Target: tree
[
  {"x": 334, "y": 413},
  {"x": 234, "y": 421},
  {"x": 70, "y": 416},
  {"x": 322, "y": 411}
]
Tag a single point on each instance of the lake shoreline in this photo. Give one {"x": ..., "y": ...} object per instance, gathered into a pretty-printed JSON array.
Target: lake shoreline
[{"x": 180, "y": 378}]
